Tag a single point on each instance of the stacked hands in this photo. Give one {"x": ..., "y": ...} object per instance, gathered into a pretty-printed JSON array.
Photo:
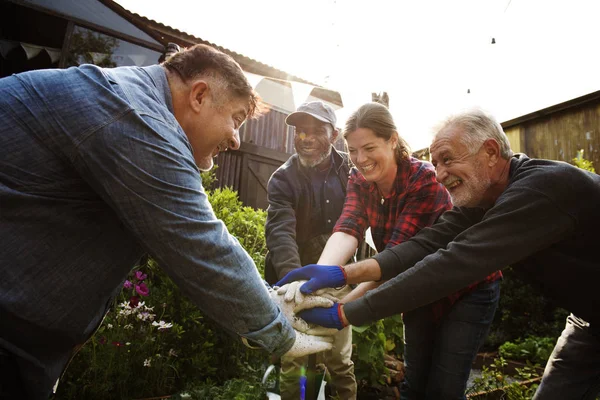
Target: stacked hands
[{"x": 306, "y": 299}]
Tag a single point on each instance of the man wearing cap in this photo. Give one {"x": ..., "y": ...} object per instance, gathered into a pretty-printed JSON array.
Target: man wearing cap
[{"x": 306, "y": 197}]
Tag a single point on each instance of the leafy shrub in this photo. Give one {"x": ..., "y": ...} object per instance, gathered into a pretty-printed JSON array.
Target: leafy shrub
[
  {"x": 371, "y": 342},
  {"x": 494, "y": 377},
  {"x": 134, "y": 355},
  {"x": 533, "y": 348},
  {"x": 245, "y": 223},
  {"x": 233, "y": 389},
  {"x": 582, "y": 163},
  {"x": 523, "y": 311}
]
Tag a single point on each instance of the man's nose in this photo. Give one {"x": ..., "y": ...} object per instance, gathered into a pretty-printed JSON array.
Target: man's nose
[
  {"x": 440, "y": 174},
  {"x": 234, "y": 142}
]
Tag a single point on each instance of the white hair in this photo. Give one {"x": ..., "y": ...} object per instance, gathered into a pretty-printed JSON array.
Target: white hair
[{"x": 477, "y": 127}]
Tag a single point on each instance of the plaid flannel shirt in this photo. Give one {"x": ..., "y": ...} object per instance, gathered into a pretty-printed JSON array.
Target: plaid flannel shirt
[{"x": 415, "y": 202}]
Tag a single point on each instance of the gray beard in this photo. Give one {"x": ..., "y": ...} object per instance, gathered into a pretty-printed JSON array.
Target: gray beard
[{"x": 313, "y": 163}]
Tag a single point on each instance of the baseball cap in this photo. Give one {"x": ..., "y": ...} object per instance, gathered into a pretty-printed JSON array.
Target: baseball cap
[{"x": 316, "y": 109}]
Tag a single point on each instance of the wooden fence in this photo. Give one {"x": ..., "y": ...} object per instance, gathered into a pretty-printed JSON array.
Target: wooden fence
[
  {"x": 558, "y": 132},
  {"x": 248, "y": 170}
]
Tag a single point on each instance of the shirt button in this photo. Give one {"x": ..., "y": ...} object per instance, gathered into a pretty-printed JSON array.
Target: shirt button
[
  {"x": 327, "y": 201},
  {"x": 328, "y": 221}
]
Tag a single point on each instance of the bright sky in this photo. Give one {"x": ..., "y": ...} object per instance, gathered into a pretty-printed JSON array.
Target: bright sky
[{"x": 425, "y": 53}]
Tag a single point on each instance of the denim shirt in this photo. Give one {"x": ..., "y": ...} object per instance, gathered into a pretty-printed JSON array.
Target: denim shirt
[{"x": 95, "y": 172}]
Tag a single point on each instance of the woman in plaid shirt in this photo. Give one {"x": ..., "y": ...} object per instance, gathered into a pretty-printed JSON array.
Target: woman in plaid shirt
[{"x": 396, "y": 196}]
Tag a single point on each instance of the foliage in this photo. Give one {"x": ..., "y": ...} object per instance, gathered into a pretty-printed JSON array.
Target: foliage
[
  {"x": 233, "y": 389},
  {"x": 209, "y": 179},
  {"x": 134, "y": 355},
  {"x": 245, "y": 223},
  {"x": 522, "y": 312},
  {"x": 533, "y": 348},
  {"x": 494, "y": 377},
  {"x": 89, "y": 47},
  {"x": 582, "y": 163},
  {"x": 371, "y": 342}
]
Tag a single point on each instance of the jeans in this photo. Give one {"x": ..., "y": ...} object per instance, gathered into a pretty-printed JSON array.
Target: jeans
[
  {"x": 573, "y": 369},
  {"x": 438, "y": 354}
]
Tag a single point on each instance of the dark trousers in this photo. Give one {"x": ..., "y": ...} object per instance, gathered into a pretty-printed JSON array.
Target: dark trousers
[{"x": 11, "y": 385}]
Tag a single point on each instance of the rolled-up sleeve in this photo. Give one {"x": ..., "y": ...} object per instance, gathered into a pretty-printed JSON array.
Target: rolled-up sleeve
[{"x": 143, "y": 167}]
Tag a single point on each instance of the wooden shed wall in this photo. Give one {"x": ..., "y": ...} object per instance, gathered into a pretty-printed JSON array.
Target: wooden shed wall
[{"x": 557, "y": 134}]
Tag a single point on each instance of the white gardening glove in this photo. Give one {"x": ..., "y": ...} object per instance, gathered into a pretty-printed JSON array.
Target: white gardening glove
[
  {"x": 285, "y": 297},
  {"x": 306, "y": 344},
  {"x": 322, "y": 298},
  {"x": 333, "y": 294}
]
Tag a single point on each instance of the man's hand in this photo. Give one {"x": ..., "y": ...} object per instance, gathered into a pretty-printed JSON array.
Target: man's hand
[
  {"x": 318, "y": 276},
  {"x": 329, "y": 317},
  {"x": 308, "y": 344},
  {"x": 290, "y": 301}
]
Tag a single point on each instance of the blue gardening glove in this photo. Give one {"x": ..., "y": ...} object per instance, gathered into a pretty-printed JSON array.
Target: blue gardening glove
[
  {"x": 318, "y": 277},
  {"x": 330, "y": 317}
]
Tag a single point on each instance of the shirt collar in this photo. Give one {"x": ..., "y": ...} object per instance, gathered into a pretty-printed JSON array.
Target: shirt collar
[{"x": 158, "y": 75}]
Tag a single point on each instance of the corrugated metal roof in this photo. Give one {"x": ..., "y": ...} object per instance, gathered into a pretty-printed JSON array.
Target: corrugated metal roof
[
  {"x": 166, "y": 34},
  {"x": 92, "y": 12}
]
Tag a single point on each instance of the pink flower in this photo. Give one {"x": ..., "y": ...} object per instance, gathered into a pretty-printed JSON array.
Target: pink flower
[
  {"x": 140, "y": 276},
  {"x": 127, "y": 285},
  {"x": 142, "y": 289}
]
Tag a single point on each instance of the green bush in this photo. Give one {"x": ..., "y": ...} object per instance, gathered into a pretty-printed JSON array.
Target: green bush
[
  {"x": 523, "y": 311},
  {"x": 582, "y": 163},
  {"x": 371, "y": 342},
  {"x": 533, "y": 348},
  {"x": 233, "y": 389},
  {"x": 245, "y": 223},
  {"x": 494, "y": 378},
  {"x": 134, "y": 355}
]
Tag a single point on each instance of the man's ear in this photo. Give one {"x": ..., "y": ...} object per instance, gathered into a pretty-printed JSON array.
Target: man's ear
[
  {"x": 334, "y": 135},
  {"x": 492, "y": 149},
  {"x": 199, "y": 94}
]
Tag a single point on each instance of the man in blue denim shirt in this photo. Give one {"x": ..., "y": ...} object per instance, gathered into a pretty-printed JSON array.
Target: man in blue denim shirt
[{"x": 99, "y": 167}]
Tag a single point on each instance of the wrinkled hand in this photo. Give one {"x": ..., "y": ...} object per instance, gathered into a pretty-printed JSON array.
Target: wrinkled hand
[
  {"x": 290, "y": 300},
  {"x": 329, "y": 317},
  {"x": 318, "y": 276},
  {"x": 308, "y": 344}
]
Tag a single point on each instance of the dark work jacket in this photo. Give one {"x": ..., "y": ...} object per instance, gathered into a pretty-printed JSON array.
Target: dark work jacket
[{"x": 296, "y": 230}]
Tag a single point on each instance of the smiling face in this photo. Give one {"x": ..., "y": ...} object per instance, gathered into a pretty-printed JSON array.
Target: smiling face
[
  {"x": 212, "y": 121},
  {"x": 374, "y": 157},
  {"x": 313, "y": 140},
  {"x": 464, "y": 174}
]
